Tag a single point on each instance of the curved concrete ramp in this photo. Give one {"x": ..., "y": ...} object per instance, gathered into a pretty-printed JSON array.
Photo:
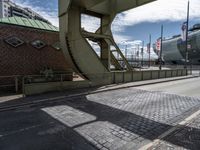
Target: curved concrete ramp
[{"x": 76, "y": 48}]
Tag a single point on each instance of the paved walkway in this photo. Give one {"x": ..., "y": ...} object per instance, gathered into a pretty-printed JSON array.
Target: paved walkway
[
  {"x": 123, "y": 119},
  {"x": 16, "y": 99},
  {"x": 185, "y": 137},
  {"x": 189, "y": 87}
]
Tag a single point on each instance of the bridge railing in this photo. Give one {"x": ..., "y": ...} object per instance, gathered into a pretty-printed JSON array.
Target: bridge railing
[{"x": 42, "y": 83}]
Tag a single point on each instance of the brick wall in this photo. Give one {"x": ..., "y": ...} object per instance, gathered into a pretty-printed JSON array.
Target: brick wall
[{"x": 25, "y": 59}]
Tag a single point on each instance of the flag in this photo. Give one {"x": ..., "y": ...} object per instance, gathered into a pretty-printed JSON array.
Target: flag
[
  {"x": 184, "y": 31},
  {"x": 158, "y": 44}
]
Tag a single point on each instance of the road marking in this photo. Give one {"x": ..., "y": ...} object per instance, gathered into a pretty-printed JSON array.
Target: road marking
[
  {"x": 165, "y": 134},
  {"x": 189, "y": 118}
]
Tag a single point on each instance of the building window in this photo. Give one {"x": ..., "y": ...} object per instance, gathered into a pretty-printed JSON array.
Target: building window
[
  {"x": 38, "y": 44},
  {"x": 14, "y": 41},
  {"x": 57, "y": 46}
]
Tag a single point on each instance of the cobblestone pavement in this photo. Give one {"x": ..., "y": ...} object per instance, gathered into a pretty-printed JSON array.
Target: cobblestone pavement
[
  {"x": 119, "y": 119},
  {"x": 185, "y": 137}
]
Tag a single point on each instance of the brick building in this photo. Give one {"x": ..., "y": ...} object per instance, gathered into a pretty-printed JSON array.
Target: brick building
[{"x": 28, "y": 46}]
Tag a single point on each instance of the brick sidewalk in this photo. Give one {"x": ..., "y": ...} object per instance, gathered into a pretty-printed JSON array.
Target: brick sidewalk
[
  {"x": 17, "y": 99},
  {"x": 120, "y": 119},
  {"x": 186, "y": 137}
]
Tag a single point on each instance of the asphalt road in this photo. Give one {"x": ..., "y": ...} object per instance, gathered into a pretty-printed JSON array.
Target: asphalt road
[{"x": 187, "y": 87}]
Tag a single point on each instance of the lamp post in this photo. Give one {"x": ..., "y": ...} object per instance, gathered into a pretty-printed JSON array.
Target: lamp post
[
  {"x": 186, "y": 42},
  {"x": 161, "y": 40}
]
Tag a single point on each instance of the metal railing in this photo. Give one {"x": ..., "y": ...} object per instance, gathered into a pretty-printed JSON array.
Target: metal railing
[{"x": 11, "y": 81}]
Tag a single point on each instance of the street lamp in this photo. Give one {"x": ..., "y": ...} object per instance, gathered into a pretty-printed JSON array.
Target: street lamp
[
  {"x": 161, "y": 40},
  {"x": 186, "y": 42}
]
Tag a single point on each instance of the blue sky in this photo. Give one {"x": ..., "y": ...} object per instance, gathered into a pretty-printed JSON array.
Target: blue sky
[{"x": 134, "y": 24}]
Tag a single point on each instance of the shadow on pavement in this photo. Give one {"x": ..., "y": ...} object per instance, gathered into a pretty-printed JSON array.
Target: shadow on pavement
[{"x": 34, "y": 129}]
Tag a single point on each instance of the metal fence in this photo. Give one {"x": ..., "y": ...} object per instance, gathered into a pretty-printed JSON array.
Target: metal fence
[{"x": 11, "y": 82}]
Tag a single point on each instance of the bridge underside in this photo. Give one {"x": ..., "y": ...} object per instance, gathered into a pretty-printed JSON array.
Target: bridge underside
[
  {"x": 97, "y": 69},
  {"x": 74, "y": 39}
]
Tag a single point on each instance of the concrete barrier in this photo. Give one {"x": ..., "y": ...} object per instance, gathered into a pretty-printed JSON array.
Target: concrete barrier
[
  {"x": 137, "y": 76},
  {"x": 38, "y": 88},
  {"x": 146, "y": 75},
  {"x": 128, "y": 77},
  {"x": 175, "y": 73},
  {"x": 113, "y": 78},
  {"x": 119, "y": 77},
  {"x": 154, "y": 75},
  {"x": 179, "y": 72},
  {"x": 162, "y": 73},
  {"x": 168, "y": 73}
]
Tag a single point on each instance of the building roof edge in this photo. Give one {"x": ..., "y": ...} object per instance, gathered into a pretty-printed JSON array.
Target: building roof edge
[{"x": 30, "y": 23}]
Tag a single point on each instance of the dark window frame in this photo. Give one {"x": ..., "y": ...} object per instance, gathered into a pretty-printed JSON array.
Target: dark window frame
[
  {"x": 41, "y": 43},
  {"x": 18, "y": 41}
]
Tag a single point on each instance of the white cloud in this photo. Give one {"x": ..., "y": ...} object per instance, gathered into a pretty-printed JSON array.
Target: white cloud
[
  {"x": 134, "y": 46},
  {"x": 50, "y": 15},
  {"x": 90, "y": 23},
  {"x": 160, "y": 10}
]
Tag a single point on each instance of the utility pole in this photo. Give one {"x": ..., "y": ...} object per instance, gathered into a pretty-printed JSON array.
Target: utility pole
[
  {"x": 186, "y": 43},
  {"x": 161, "y": 40}
]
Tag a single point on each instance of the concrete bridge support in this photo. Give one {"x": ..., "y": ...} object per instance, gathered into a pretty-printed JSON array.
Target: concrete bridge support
[{"x": 76, "y": 48}]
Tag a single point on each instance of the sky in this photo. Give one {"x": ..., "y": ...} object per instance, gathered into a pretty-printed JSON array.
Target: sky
[{"x": 135, "y": 25}]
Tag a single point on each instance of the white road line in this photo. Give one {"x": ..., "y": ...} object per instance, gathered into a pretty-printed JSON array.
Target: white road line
[
  {"x": 189, "y": 118},
  {"x": 159, "y": 139}
]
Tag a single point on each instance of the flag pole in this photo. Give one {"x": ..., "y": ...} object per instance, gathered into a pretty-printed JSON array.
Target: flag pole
[
  {"x": 186, "y": 47},
  {"x": 161, "y": 40},
  {"x": 149, "y": 50},
  {"x": 142, "y": 53}
]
